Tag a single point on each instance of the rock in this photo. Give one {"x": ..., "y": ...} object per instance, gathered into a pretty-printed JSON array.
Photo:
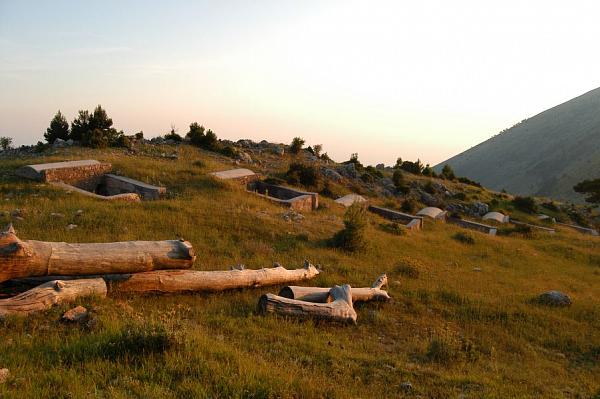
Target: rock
[
  {"x": 79, "y": 212},
  {"x": 4, "y": 375},
  {"x": 244, "y": 157},
  {"x": 331, "y": 174},
  {"x": 406, "y": 386},
  {"x": 348, "y": 170},
  {"x": 293, "y": 216},
  {"x": 70, "y": 142},
  {"x": 18, "y": 214},
  {"x": 71, "y": 226},
  {"x": 57, "y": 215},
  {"x": 477, "y": 269},
  {"x": 77, "y": 314},
  {"x": 554, "y": 298},
  {"x": 428, "y": 199},
  {"x": 278, "y": 150},
  {"x": 59, "y": 143},
  {"x": 478, "y": 209}
]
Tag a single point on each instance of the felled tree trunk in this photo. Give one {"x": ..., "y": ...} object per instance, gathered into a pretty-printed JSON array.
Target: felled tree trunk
[
  {"x": 38, "y": 258},
  {"x": 340, "y": 310},
  {"x": 323, "y": 295},
  {"x": 173, "y": 281},
  {"x": 51, "y": 293}
]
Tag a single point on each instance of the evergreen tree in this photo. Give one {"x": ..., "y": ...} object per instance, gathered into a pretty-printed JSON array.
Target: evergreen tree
[{"x": 59, "y": 128}]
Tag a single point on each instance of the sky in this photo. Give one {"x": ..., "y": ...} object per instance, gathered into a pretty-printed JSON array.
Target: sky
[{"x": 384, "y": 79}]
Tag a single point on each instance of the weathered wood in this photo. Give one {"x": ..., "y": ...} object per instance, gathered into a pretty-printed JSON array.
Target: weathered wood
[
  {"x": 323, "y": 294},
  {"x": 38, "y": 258},
  {"x": 340, "y": 310},
  {"x": 172, "y": 281},
  {"x": 49, "y": 294}
]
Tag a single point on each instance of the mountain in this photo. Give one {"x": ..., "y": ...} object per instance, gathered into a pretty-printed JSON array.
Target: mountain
[{"x": 543, "y": 156}]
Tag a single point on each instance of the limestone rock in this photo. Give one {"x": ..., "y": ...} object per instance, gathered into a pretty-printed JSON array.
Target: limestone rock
[
  {"x": 76, "y": 314},
  {"x": 4, "y": 375},
  {"x": 554, "y": 298},
  {"x": 331, "y": 174}
]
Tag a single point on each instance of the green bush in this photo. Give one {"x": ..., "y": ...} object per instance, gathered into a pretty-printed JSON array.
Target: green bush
[
  {"x": 393, "y": 228},
  {"x": 408, "y": 206},
  {"x": 465, "y": 238},
  {"x": 296, "y": 145},
  {"x": 353, "y": 237},
  {"x": 525, "y": 204},
  {"x": 307, "y": 175}
]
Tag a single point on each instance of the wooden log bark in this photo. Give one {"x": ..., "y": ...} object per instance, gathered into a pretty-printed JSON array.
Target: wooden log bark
[
  {"x": 340, "y": 309},
  {"x": 323, "y": 294},
  {"x": 173, "y": 281},
  {"x": 49, "y": 294},
  {"x": 39, "y": 258}
]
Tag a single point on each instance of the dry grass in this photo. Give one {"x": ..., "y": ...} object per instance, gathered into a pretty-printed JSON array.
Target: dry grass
[{"x": 450, "y": 330}]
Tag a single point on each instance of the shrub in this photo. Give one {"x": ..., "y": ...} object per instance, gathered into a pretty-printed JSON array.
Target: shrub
[
  {"x": 317, "y": 149},
  {"x": 229, "y": 151},
  {"x": 307, "y": 175},
  {"x": 415, "y": 168},
  {"x": 465, "y": 238},
  {"x": 296, "y": 145},
  {"x": 172, "y": 135},
  {"x": 551, "y": 206},
  {"x": 447, "y": 173},
  {"x": 407, "y": 268},
  {"x": 353, "y": 236},
  {"x": 393, "y": 228},
  {"x": 468, "y": 181},
  {"x": 408, "y": 206},
  {"x": 521, "y": 230},
  {"x": 95, "y": 139},
  {"x": 428, "y": 188},
  {"x": 525, "y": 204},
  {"x": 429, "y": 172}
]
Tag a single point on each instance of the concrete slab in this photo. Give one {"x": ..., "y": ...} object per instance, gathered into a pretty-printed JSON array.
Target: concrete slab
[
  {"x": 409, "y": 221},
  {"x": 245, "y": 175},
  {"x": 432, "y": 212},
  {"x": 68, "y": 171},
  {"x": 497, "y": 217}
]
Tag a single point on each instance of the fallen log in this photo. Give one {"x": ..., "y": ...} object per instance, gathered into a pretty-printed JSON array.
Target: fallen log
[
  {"x": 49, "y": 294},
  {"x": 323, "y": 295},
  {"x": 173, "y": 281},
  {"x": 340, "y": 310},
  {"x": 39, "y": 258}
]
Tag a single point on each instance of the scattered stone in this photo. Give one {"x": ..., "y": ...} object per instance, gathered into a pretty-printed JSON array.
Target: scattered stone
[
  {"x": 77, "y": 314},
  {"x": 57, "y": 215},
  {"x": 348, "y": 170},
  {"x": 406, "y": 386},
  {"x": 71, "y": 226},
  {"x": 18, "y": 214},
  {"x": 4, "y": 375},
  {"x": 79, "y": 212},
  {"x": 554, "y": 298},
  {"x": 477, "y": 269},
  {"x": 293, "y": 216}
]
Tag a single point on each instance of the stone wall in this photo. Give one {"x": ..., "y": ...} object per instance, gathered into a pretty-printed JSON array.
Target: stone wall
[
  {"x": 115, "y": 185},
  {"x": 468, "y": 224},
  {"x": 295, "y": 199},
  {"x": 410, "y": 221}
]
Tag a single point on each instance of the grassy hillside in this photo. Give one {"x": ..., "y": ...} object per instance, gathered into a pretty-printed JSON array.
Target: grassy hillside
[
  {"x": 462, "y": 321},
  {"x": 545, "y": 155}
]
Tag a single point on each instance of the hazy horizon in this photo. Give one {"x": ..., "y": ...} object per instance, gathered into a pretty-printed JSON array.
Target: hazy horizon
[{"x": 384, "y": 79}]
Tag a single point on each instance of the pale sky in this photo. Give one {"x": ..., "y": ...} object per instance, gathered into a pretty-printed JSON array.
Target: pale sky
[{"x": 416, "y": 79}]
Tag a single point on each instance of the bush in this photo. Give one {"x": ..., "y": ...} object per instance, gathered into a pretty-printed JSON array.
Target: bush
[
  {"x": 415, "y": 168},
  {"x": 172, "y": 135},
  {"x": 393, "y": 228},
  {"x": 200, "y": 137},
  {"x": 525, "y": 204},
  {"x": 521, "y": 230},
  {"x": 407, "y": 269},
  {"x": 551, "y": 206},
  {"x": 353, "y": 237},
  {"x": 296, "y": 145},
  {"x": 229, "y": 151},
  {"x": 447, "y": 173},
  {"x": 307, "y": 175},
  {"x": 465, "y": 238},
  {"x": 95, "y": 139},
  {"x": 408, "y": 206}
]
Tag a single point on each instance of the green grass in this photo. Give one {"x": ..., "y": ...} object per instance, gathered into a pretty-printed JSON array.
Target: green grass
[{"x": 450, "y": 330}]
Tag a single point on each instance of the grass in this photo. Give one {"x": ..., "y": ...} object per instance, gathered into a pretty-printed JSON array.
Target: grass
[{"x": 449, "y": 330}]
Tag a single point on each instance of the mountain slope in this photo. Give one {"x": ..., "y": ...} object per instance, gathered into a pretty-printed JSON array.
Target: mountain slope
[{"x": 544, "y": 155}]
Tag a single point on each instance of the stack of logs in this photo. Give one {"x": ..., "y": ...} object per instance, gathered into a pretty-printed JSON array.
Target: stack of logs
[
  {"x": 334, "y": 304},
  {"x": 63, "y": 272}
]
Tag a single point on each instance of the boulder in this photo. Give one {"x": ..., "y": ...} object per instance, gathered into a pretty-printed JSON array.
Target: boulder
[
  {"x": 554, "y": 298},
  {"x": 77, "y": 314},
  {"x": 331, "y": 174},
  {"x": 59, "y": 143},
  {"x": 244, "y": 157},
  {"x": 478, "y": 209},
  {"x": 428, "y": 199},
  {"x": 348, "y": 170}
]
